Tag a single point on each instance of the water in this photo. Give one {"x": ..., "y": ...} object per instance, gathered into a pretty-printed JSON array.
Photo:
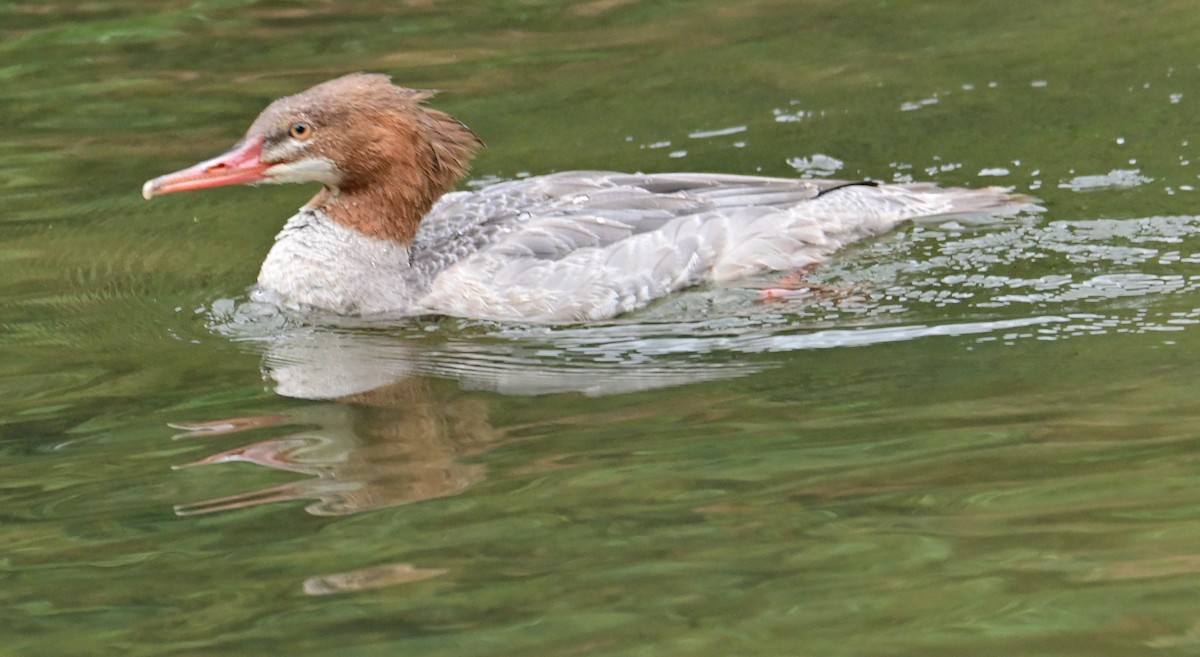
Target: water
[{"x": 968, "y": 439}]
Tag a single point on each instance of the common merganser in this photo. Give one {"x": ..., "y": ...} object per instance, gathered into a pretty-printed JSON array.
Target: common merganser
[{"x": 386, "y": 236}]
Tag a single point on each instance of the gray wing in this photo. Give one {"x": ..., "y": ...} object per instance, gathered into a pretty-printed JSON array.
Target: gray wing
[
  {"x": 590, "y": 245},
  {"x": 550, "y": 216}
]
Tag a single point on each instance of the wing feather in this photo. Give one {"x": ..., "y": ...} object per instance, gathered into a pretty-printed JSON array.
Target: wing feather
[{"x": 589, "y": 245}]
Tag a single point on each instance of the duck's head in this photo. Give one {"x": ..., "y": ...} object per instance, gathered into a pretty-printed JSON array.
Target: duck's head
[{"x": 382, "y": 157}]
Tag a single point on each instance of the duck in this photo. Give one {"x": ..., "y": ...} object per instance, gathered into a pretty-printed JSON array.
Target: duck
[{"x": 387, "y": 235}]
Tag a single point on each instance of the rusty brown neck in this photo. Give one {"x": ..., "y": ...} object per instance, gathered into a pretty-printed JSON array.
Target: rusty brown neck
[
  {"x": 419, "y": 155},
  {"x": 382, "y": 210}
]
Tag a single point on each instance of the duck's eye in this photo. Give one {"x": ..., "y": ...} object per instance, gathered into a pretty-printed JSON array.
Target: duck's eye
[{"x": 300, "y": 131}]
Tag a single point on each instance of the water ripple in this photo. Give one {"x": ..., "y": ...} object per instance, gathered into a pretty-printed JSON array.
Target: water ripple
[{"x": 1107, "y": 275}]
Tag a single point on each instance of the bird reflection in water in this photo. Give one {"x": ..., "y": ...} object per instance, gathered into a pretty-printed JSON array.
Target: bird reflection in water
[
  {"x": 390, "y": 420},
  {"x": 397, "y": 444}
]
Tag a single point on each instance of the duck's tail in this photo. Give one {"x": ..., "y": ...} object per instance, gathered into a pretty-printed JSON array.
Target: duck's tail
[{"x": 977, "y": 204}]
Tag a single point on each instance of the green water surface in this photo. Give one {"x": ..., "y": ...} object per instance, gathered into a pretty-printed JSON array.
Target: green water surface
[{"x": 972, "y": 440}]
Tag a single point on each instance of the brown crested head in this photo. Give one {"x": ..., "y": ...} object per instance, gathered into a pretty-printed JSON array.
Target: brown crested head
[{"x": 382, "y": 156}]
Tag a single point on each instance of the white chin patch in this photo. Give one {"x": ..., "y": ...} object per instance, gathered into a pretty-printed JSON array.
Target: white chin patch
[{"x": 310, "y": 169}]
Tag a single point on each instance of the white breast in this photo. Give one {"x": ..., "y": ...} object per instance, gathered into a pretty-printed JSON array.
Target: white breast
[{"x": 319, "y": 263}]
